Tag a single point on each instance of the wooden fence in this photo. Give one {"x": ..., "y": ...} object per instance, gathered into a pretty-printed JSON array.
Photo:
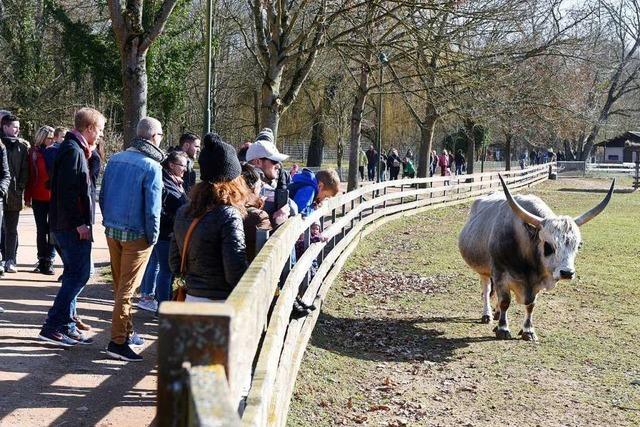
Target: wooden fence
[{"x": 241, "y": 356}]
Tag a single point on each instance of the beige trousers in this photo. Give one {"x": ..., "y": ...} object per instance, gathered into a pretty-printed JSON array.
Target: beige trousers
[{"x": 128, "y": 263}]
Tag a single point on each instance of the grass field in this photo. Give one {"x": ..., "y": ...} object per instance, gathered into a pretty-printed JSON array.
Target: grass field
[{"x": 399, "y": 341}]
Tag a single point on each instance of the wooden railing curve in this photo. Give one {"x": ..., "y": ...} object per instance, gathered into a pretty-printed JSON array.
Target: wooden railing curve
[{"x": 244, "y": 354}]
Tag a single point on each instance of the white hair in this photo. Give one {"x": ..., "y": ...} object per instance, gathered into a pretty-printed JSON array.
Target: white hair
[{"x": 147, "y": 127}]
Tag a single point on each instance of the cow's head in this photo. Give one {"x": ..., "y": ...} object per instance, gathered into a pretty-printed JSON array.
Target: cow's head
[{"x": 557, "y": 237}]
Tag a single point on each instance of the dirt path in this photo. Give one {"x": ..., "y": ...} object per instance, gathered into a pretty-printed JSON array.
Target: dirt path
[
  {"x": 399, "y": 340},
  {"x": 44, "y": 385}
]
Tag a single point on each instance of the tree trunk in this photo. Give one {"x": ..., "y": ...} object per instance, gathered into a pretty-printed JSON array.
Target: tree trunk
[
  {"x": 316, "y": 145},
  {"x": 315, "y": 155},
  {"x": 256, "y": 112},
  {"x": 569, "y": 155},
  {"x": 271, "y": 106},
  {"x": 471, "y": 145},
  {"x": 339, "y": 154},
  {"x": 426, "y": 145},
  {"x": 356, "y": 127},
  {"x": 507, "y": 150},
  {"x": 587, "y": 144},
  {"x": 134, "y": 79}
]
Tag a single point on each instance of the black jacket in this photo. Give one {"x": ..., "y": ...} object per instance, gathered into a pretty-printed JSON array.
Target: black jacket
[
  {"x": 94, "y": 163},
  {"x": 17, "y": 159},
  {"x": 173, "y": 196},
  {"x": 70, "y": 187},
  {"x": 216, "y": 258},
  {"x": 5, "y": 176}
]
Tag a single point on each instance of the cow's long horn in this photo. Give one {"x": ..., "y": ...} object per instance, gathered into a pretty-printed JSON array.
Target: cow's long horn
[
  {"x": 522, "y": 213},
  {"x": 589, "y": 215}
]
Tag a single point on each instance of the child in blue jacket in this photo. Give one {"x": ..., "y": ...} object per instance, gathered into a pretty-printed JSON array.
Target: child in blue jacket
[{"x": 308, "y": 190}]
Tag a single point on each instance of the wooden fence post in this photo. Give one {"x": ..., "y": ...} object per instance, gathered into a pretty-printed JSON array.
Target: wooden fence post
[{"x": 197, "y": 333}]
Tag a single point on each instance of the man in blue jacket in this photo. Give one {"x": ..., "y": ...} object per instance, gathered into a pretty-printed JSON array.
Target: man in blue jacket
[
  {"x": 130, "y": 200},
  {"x": 70, "y": 221}
]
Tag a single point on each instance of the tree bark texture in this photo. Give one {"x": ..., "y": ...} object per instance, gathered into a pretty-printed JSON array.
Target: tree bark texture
[
  {"x": 316, "y": 144},
  {"x": 508, "y": 140},
  {"x": 315, "y": 155},
  {"x": 279, "y": 48},
  {"x": 271, "y": 106},
  {"x": 471, "y": 145},
  {"x": 134, "y": 79},
  {"x": 356, "y": 126},
  {"x": 427, "y": 127},
  {"x": 133, "y": 41}
]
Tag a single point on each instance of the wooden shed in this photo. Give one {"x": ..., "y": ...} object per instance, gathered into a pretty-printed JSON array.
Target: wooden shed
[{"x": 615, "y": 150}]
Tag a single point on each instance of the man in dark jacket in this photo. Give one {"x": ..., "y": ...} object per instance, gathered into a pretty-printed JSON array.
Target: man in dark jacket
[
  {"x": 189, "y": 143},
  {"x": 17, "y": 158},
  {"x": 372, "y": 163},
  {"x": 70, "y": 221},
  {"x": 4, "y": 186}
]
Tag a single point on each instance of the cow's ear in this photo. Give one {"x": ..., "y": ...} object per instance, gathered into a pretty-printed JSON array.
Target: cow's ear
[{"x": 532, "y": 231}]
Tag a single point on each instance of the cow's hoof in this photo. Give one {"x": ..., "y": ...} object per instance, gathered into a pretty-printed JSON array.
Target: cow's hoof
[
  {"x": 528, "y": 336},
  {"x": 502, "y": 334},
  {"x": 485, "y": 319}
]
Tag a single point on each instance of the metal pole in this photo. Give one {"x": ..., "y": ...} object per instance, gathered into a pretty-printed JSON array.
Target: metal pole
[{"x": 207, "y": 108}]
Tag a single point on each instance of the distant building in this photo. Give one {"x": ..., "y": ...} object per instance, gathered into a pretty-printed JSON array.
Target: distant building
[{"x": 614, "y": 151}]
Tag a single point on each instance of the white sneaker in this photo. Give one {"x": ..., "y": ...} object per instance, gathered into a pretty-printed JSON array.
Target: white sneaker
[
  {"x": 10, "y": 267},
  {"x": 148, "y": 305}
]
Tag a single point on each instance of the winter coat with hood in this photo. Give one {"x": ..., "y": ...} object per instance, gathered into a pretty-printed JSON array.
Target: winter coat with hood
[{"x": 18, "y": 160}]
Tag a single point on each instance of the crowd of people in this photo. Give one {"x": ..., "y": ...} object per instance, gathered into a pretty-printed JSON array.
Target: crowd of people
[
  {"x": 160, "y": 222},
  {"x": 390, "y": 162},
  {"x": 444, "y": 164}
]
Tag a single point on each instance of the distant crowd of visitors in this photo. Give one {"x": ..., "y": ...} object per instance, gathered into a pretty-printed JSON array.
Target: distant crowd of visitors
[
  {"x": 160, "y": 223},
  {"x": 392, "y": 164}
]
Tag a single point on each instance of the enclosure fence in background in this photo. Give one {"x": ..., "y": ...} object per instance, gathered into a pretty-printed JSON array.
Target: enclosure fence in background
[{"x": 221, "y": 359}]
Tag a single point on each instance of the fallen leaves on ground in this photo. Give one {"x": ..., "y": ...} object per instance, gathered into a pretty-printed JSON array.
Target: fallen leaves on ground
[{"x": 385, "y": 283}]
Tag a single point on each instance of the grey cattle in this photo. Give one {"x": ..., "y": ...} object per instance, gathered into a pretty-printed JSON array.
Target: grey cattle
[{"x": 518, "y": 245}]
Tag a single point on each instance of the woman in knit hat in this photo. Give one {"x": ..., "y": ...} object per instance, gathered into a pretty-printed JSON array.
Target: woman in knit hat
[{"x": 215, "y": 257}]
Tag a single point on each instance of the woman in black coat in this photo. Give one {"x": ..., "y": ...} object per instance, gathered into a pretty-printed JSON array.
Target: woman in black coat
[
  {"x": 216, "y": 254},
  {"x": 158, "y": 275}
]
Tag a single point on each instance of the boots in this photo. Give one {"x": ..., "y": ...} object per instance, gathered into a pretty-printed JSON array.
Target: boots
[{"x": 44, "y": 267}]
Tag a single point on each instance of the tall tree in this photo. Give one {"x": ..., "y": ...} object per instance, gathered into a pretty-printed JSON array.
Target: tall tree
[
  {"x": 287, "y": 35},
  {"x": 134, "y": 36}
]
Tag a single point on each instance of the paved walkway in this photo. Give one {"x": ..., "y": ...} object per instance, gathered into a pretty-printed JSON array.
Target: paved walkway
[{"x": 44, "y": 385}]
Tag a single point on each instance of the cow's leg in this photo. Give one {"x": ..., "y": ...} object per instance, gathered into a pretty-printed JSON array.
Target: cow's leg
[
  {"x": 527, "y": 332},
  {"x": 504, "y": 300},
  {"x": 486, "y": 299}
]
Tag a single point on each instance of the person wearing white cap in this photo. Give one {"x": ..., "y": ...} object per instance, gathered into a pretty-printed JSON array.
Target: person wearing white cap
[{"x": 264, "y": 156}]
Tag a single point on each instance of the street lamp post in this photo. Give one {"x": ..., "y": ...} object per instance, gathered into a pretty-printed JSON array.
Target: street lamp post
[
  {"x": 207, "y": 93},
  {"x": 383, "y": 61}
]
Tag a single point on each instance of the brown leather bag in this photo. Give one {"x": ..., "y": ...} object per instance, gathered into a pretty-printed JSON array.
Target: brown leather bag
[{"x": 181, "y": 292}]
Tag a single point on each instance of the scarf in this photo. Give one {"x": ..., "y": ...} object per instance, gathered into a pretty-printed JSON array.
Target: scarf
[
  {"x": 82, "y": 142},
  {"x": 148, "y": 149}
]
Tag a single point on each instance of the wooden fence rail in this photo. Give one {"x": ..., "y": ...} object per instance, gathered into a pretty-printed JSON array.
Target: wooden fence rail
[{"x": 235, "y": 362}]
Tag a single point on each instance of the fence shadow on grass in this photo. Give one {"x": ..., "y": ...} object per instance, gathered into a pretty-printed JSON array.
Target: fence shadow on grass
[{"x": 390, "y": 340}]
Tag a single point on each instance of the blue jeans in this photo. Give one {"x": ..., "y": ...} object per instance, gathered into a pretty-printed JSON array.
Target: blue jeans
[
  {"x": 76, "y": 256},
  {"x": 157, "y": 277},
  {"x": 371, "y": 172}
]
